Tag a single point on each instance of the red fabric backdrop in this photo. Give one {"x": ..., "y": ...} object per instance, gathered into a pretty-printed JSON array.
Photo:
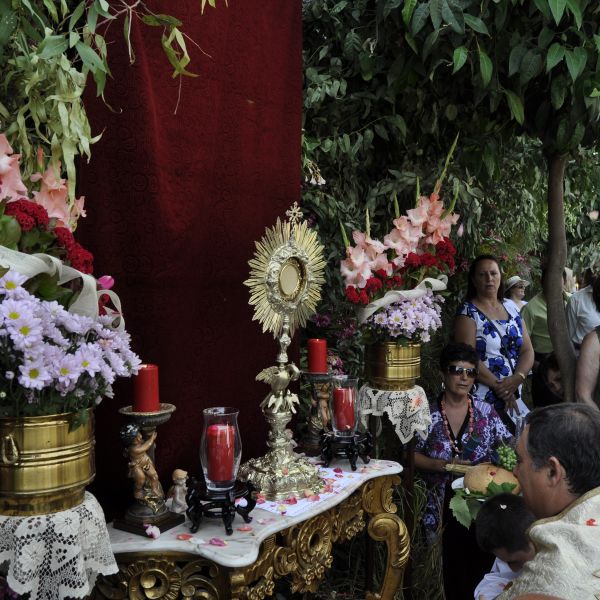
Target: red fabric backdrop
[{"x": 175, "y": 202}]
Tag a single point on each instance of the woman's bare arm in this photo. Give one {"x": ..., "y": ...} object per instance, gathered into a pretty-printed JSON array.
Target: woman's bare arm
[{"x": 588, "y": 365}]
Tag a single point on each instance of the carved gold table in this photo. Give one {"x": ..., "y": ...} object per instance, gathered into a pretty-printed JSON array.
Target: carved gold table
[{"x": 293, "y": 541}]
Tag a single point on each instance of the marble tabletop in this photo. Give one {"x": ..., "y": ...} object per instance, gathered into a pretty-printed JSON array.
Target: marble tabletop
[{"x": 241, "y": 549}]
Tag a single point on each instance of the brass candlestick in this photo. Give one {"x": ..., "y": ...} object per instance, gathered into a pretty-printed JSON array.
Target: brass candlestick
[{"x": 139, "y": 439}]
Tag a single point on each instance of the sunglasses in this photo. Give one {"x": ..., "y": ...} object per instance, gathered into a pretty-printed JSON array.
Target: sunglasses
[{"x": 458, "y": 371}]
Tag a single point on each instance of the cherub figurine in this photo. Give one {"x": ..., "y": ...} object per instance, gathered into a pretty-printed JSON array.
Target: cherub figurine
[
  {"x": 146, "y": 485},
  {"x": 177, "y": 492}
]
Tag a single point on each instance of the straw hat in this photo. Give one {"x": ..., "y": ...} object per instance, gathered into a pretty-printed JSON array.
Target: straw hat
[{"x": 512, "y": 281}]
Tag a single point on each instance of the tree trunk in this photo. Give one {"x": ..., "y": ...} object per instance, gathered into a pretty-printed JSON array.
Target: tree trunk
[{"x": 553, "y": 285}]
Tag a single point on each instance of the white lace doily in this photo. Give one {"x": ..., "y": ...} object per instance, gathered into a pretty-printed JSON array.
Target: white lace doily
[
  {"x": 57, "y": 555},
  {"x": 407, "y": 410}
]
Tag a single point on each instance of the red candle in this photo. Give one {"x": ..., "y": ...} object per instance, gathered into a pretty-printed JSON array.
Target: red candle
[
  {"x": 145, "y": 389},
  {"x": 343, "y": 408},
  {"x": 317, "y": 356},
  {"x": 220, "y": 450}
]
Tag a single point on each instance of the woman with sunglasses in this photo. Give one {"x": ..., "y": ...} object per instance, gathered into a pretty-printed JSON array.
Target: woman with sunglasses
[
  {"x": 463, "y": 430},
  {"x": 494, "y": 327}
]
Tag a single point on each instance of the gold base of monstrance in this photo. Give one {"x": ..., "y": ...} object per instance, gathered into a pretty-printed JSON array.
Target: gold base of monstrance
[{"x": 285, "y": 281}]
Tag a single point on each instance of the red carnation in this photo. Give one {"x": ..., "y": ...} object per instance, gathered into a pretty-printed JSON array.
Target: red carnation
[
  {"x": 81, "y": 259},
  {"x": 412, "y": 260},
  {"x": 352, "y": 294},
  {"x": 28, "y": 212},
  {"x": 64, "y": 238}
]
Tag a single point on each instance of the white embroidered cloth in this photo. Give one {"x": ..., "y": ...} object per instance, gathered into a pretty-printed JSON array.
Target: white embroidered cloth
[
  {"x": 57, "y": 555},
  {"x": 407, "y": 410}
]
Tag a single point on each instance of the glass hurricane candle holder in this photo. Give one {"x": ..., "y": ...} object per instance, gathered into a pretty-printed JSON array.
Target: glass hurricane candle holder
[
  {"x": 220, "y": 447},
  {"x": 344, "y": 405}
]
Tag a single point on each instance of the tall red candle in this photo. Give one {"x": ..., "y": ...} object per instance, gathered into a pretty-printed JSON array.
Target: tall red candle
[
  {"x": 317, "y": 355},
  {"x": 343, "y": 409},
  {"x": 145, "y": 389},
  {"x": 220, "y": 450}
]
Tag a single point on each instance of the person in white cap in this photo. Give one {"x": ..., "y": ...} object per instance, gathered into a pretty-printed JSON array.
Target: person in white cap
[{"x": 515, "y": 290}]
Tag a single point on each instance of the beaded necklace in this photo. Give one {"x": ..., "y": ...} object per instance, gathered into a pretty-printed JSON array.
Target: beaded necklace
[{"x": 455, "y": 449}]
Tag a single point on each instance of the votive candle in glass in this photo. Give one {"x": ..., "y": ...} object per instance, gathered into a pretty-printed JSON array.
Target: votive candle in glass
[
  {"x": 145, "y": 389},
  {"x": 344, "y": 406},
  {"x": 220, "y": 447}
]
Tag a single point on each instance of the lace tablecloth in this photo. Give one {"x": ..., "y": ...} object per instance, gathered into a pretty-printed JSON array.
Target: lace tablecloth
[
  {"x": 407, "y": 410},
  {"x": 57, "y": 555}
]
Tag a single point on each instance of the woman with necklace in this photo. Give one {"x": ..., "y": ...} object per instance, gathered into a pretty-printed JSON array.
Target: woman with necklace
[
  {"x": 494, "y": 327},
  {"x": 463, "y": 430}
]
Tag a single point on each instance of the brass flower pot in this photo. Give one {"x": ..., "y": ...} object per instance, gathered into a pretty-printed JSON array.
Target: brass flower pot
[
  {"x": 45, "y": 464},
  {"x": 389, "y": 366}
]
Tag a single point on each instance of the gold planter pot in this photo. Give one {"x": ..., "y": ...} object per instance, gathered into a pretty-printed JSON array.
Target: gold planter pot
[
  {"x": 389, "y": 366},
  {"x": 44, "y": 463}
]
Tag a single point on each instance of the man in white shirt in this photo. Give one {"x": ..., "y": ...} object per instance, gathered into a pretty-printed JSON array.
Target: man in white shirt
[
  {"x": 582, "y": 314},
  {"x": 559, "y": 472}
]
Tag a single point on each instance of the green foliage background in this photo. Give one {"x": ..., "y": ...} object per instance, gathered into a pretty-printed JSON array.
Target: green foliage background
[{"x": 378, "y": 114}]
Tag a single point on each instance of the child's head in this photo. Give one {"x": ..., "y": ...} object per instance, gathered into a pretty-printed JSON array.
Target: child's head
[{"x": 500, "y": 528}]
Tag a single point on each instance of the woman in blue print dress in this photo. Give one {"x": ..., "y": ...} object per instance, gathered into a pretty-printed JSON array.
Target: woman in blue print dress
[{"x": 494, "y": 327}]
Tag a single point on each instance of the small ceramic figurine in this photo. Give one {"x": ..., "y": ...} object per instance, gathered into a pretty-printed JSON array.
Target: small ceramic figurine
[{"x": 178, "y": 491}]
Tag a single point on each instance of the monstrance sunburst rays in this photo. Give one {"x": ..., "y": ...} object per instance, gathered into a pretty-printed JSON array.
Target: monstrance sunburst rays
[{"x": 286, "y": 243}]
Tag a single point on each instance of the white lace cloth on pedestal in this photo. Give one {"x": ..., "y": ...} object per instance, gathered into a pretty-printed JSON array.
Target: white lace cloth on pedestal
[
  {"x": 57, "y": 555},
  {"x": 407, "y": 410}
]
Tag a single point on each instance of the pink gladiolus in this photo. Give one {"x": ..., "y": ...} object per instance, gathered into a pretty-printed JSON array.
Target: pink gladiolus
[
  {"x": 418, "y": 216},
  {"x": 403, "y": 239},
  {"x": 355, "y": 269},
  {"x": 53, "y": 195},
  {"x": 11, "y": 185}
]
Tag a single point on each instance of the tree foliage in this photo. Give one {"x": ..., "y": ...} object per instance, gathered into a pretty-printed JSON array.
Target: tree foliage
[
  {"x": 388, "y": 83},
  {"x": 48, "y": 49}
]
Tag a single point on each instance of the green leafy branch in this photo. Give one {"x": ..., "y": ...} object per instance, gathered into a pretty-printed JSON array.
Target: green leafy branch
[{"x": 48, "y": 48}]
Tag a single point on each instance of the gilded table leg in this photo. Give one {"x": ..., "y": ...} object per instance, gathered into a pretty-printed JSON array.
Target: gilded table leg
[{"x": 386, "y": 526}]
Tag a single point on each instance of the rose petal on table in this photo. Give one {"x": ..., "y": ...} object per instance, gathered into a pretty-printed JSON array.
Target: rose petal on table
[
  {"x": 185, "y": 536},
  {"x": 244, "y": 528},
  {"x": 328, "y": 489},
  {"x": 217, "y": 542},
  {"x": 314, "y": 498},
  {"x": 261, "y": 521},
  {"x": 338, "y": 470},
  {"x": 291, "y": 499}
]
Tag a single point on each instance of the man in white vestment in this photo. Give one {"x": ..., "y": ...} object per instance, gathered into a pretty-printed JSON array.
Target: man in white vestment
[{"x": 559, "y": 472}]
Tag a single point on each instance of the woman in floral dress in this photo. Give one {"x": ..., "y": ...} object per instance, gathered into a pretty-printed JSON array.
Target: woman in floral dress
[
  {"x": 493, "y": 326},
  {"x": 463, "y": 430}
]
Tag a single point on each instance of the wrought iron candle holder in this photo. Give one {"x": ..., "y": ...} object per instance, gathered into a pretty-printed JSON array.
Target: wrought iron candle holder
[
  {"x": 138, "y": 437},
  {"x": 204, "y": 503},
  {"x": 350, "y": 447}
]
